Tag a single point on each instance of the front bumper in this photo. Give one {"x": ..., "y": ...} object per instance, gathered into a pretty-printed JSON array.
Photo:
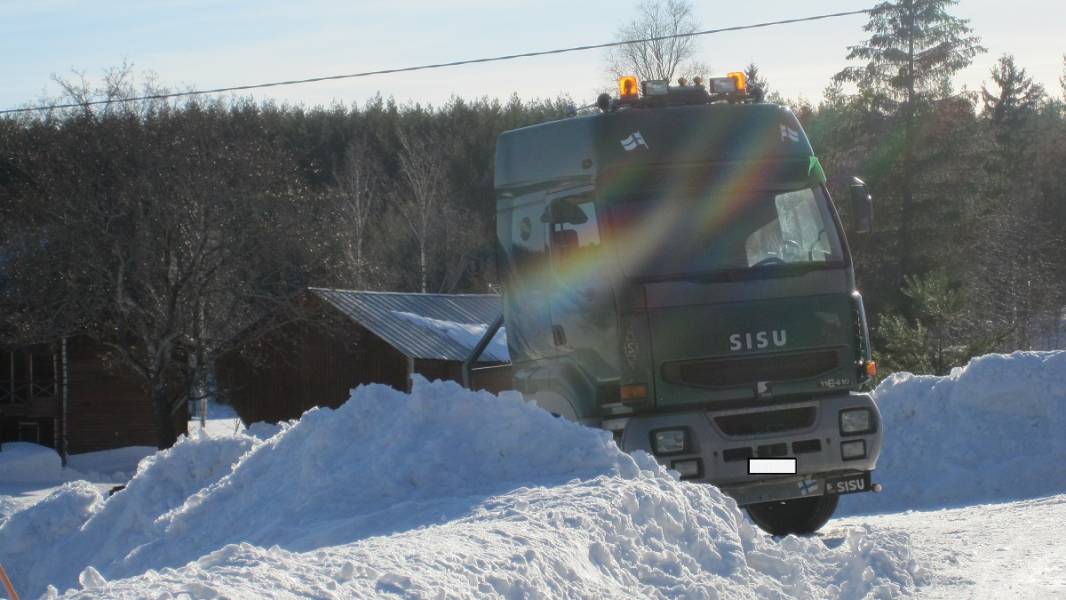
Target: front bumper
[{"x": 723, "y": 457}]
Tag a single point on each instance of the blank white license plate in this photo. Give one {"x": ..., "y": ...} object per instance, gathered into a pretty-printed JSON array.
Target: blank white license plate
[{"x": 771, "y": 466}]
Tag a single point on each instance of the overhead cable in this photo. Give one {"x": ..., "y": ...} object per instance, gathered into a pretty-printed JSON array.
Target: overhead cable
[{"x": 238, "y": 88}]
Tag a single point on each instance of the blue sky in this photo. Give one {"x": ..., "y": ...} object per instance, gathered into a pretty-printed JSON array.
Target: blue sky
[{"x": 196, "y": 43}]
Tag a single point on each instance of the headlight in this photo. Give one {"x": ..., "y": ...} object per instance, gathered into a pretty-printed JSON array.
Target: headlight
[
  {"x": 669, "y": 441},
  {"x": 853, "y": 449},
  {"x": 856, "y": 420}
]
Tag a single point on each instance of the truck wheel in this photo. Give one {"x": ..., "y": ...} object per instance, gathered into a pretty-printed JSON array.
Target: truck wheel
[{"x": 799, "y": 516}]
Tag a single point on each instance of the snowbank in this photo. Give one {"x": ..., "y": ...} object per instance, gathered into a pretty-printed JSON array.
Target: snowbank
[
  {"x": 991, "y": 431},
  {"x": 56, "y": 538},
  {"x": 29, "y": 463},
  {"x": 443, "y": 491}
]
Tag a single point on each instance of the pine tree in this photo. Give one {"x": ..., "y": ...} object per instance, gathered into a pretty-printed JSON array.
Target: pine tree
[
  {"x": 914, "y": 49},
  {"x": 756, "y": 81},
  {"x": 1015, "y": 267},
  {"x": 939, "y": 336},
  {"x": 1016, "y": 97}
]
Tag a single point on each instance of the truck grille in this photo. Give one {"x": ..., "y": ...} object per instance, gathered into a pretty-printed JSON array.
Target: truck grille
[
  {"x": 774, "y": 421},
  {"x": 723, "y": 372}
]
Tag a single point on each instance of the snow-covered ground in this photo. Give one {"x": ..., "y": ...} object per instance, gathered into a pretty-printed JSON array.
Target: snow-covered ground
[
  {"x": 415, "y": 496},
  {"x": 983, "y": 552},
  {"x": 220, "y": 420}
]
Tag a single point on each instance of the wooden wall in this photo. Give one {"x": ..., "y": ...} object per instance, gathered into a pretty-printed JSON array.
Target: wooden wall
[
  {"x": 301, "y": 366},
  {"x": 107, "y": 407}
]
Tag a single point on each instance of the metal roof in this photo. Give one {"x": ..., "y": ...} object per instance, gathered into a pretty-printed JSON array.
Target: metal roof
[{"x": 393, "y": 316}]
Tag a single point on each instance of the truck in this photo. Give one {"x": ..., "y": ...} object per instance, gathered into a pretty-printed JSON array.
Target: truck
[{"x": 675, "y": 272}]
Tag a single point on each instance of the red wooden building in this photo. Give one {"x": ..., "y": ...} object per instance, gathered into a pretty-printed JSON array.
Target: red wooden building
[
  {"x": 353, "y": 338},
  {"x": 70, "y": 397}
]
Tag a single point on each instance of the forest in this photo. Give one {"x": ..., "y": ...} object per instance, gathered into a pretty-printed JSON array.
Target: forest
[{"x": 163, "y": 227}]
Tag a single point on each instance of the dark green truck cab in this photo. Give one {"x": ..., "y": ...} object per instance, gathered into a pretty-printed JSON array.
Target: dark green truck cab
[{"x": 674, "y": 271}]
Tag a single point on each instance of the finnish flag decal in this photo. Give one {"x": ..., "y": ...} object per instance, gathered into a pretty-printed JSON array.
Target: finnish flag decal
[
  {"x": 633, "y": 141},
  {"x": 788, "y": 133}
]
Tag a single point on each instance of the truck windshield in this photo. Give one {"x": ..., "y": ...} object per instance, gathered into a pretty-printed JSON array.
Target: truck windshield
[{"x": 664, "y": 235}]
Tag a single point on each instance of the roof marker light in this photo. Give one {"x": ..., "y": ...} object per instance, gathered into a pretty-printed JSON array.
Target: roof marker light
[
  {"x": 656, "y": 87},
  {"x": 741, "y": 79},
  {"x": 628, "y": 87}
]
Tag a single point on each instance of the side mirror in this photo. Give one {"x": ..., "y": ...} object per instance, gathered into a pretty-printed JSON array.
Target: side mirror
[
  {"x": 862, "y": 206},
  {"x": 564, "y": 210}
]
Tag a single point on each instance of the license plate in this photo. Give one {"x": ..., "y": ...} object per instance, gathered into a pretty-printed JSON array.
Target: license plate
[{"x": 852, "y": 484}]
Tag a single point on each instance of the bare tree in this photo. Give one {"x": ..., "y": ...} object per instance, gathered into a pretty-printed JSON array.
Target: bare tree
[
  {"x": 421, "y": 199},
  {"x": 159, "y": 233},
  {"x": 662, "y": 56},
  {"x": 359, "y": 182}
]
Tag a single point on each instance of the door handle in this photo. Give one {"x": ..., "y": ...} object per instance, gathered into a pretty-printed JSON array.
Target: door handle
[{"x": 559, "y": 335}]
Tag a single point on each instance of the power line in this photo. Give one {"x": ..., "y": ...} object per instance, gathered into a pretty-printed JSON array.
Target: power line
[{"x": 238, "y": 88}]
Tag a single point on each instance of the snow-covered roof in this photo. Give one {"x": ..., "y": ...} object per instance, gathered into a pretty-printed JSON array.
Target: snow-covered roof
[{"x": 426, "y": 326}]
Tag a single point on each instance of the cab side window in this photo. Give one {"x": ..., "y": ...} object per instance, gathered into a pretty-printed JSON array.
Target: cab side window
[
  {"x": 527, "y": 237},
  {"x": 575, "y": 232}
]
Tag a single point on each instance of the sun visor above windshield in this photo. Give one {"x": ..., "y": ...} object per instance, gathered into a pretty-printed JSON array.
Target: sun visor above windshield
[
  {"x": 701, "y": 133},
  {"x": 579, "y": 150}
]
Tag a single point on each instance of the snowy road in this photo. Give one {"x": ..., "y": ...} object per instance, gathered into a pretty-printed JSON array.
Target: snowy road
[{"x": 990, "y": 551}]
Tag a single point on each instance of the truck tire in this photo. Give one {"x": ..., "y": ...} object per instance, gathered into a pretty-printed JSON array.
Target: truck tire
[{"x": 799, "y": 516}]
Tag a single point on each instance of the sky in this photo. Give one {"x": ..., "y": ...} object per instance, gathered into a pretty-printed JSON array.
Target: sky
[{"x": 204, "y": 44}]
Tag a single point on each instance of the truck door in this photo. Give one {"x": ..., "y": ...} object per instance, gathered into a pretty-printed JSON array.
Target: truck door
[
  {"x": 527, "y": 275},
  {"x": 581, "y": 300}
]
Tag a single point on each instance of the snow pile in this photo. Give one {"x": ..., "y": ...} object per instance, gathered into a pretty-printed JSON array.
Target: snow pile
[
  {"x": 466, "y": 334},
  {"x": 29, "y": 463},
  {"x": 443, "y": 492},
  {"x": 53, "y": 540},
  {"x": 991, "y": 431}
]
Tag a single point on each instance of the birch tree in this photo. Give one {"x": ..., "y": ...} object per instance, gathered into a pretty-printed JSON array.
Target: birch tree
[
  {"x": 423, "y": 192},
  {"x": 359, "y": 185}
]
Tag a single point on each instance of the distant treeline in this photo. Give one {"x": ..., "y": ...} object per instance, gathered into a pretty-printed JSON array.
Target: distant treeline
[{"x": 164, "y": 227}]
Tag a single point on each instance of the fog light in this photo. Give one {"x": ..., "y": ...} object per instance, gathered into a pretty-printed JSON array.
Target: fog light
[
  {"x": 686, "y": 468},
  {"x": 853, "y": 450},
  {"x": 669, "y": 441},
  {"x": 855, "y": 421}
]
